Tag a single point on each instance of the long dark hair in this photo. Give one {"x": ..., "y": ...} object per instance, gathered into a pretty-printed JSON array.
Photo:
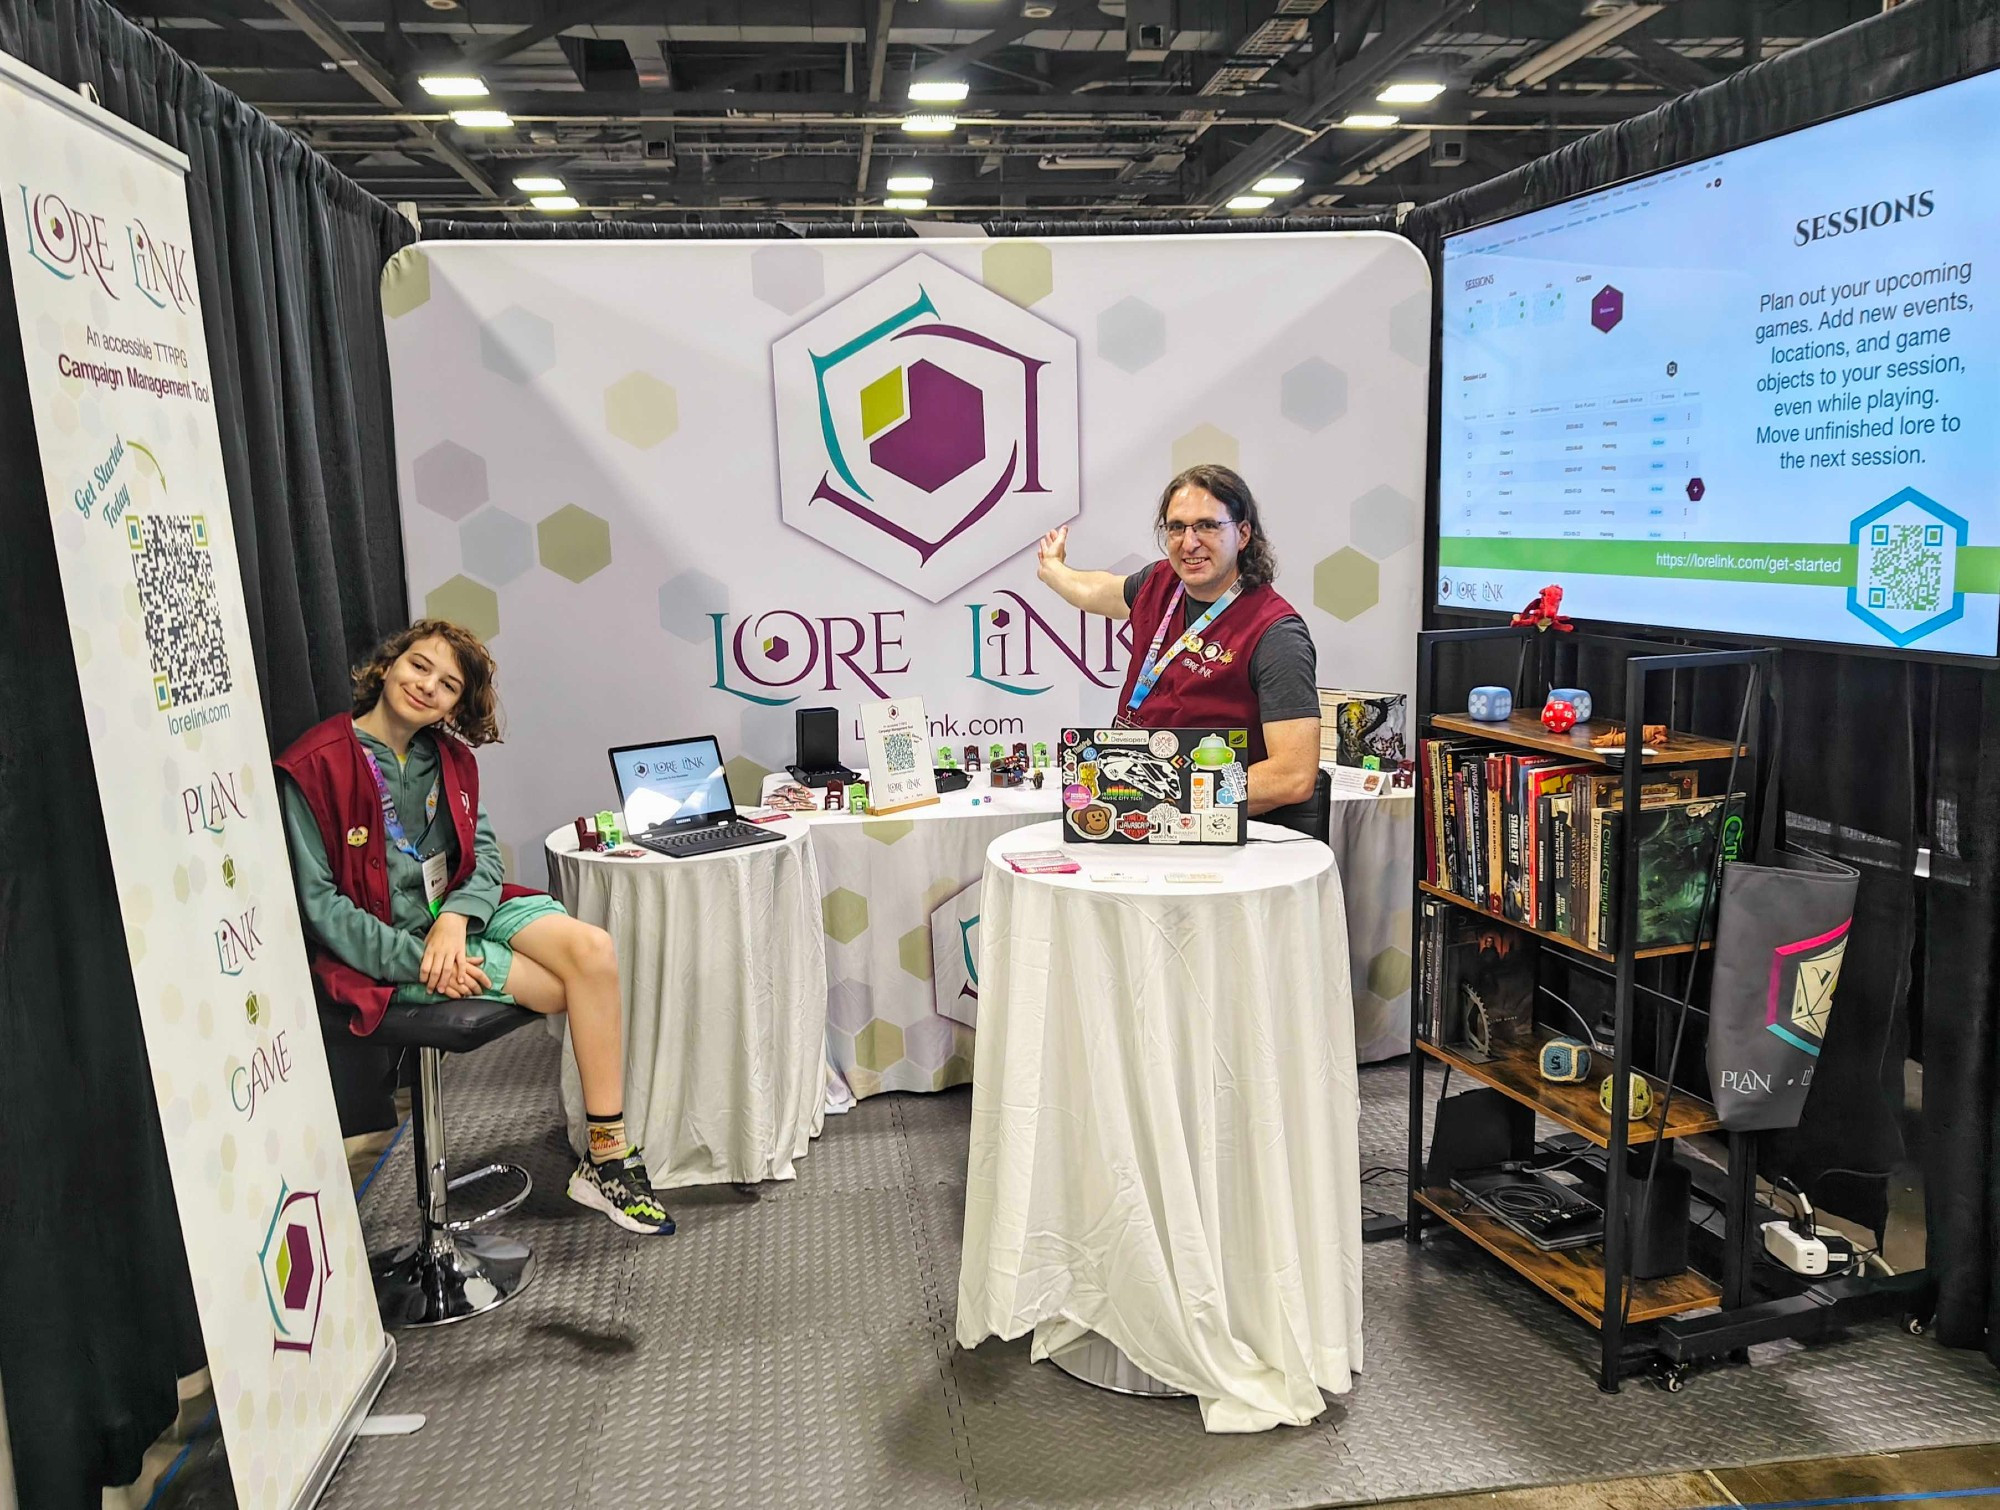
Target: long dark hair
[{"x": 1257, "y": 565}]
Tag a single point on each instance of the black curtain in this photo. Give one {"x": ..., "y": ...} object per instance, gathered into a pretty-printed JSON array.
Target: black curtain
[
  {"x": 1879, "y": 753},
  {"x": 97, "y": 1317}
]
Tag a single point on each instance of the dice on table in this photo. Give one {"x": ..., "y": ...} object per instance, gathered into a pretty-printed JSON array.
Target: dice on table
[{"x": 1558, "y": 716}]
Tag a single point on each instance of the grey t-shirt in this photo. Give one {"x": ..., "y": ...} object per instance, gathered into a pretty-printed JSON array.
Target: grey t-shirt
[{"x": 1283, "y": 669}]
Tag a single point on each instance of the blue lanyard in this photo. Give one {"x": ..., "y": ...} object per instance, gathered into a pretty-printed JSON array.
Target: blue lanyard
[
  {"x": 392, "y": 825},
  {"x": 1157, "y": 661}
]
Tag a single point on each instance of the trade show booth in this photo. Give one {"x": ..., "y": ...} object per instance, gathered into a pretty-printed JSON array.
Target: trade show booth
[{"x": 1499, "y": 1054}]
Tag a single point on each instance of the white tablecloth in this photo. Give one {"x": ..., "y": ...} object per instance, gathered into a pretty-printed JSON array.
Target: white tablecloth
[
  {"x": 1164, "y": 1123},
  {"x": 881, "y": 878},
  {"x": 724, "y": 976},
  {"x": 1373, "y": 839}
]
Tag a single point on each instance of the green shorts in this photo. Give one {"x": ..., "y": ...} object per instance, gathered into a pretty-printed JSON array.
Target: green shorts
[{"x": 489, "y": 949}]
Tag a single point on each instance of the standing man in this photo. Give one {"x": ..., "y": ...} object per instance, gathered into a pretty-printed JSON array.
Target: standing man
[{"x": 1213, "y": 645}]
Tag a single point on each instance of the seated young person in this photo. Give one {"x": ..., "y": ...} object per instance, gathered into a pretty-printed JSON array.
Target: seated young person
[{"x": 399, "y": 882}]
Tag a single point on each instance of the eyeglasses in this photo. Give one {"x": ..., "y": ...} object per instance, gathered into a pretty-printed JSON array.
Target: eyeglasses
[{"x": 1205, "y": 530}]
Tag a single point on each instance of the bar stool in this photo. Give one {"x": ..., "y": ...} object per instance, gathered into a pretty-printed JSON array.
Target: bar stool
[{"x": 448, "y": 1273}]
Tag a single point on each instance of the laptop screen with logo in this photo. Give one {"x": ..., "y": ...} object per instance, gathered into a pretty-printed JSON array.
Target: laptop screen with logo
[{"x": 671, "y": 785}]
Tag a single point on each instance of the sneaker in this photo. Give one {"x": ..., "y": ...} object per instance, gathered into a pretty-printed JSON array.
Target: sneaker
[{"x": 621, "y": 1189}]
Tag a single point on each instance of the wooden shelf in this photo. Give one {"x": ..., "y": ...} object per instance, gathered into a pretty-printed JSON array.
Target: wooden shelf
[
  {"x": 1515, "y": 1072},
  {"x": 1526, "y": 729},
  {"x": 1574, "y": 1276},
  {"x": 1562, "y": 939}
]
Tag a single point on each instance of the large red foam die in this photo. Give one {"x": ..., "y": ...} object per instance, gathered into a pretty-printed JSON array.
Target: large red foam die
[{"x": 1558, "y": 716}]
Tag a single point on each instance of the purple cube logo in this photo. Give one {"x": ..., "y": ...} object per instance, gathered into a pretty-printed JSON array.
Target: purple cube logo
[
  {"x": 294, "y": 1264},
  {"x": 1608, "y": 308},
  {"x": 1696, "y": 487}
]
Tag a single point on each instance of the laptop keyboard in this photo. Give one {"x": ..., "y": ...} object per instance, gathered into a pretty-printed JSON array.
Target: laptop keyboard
[{"x": 706, "y": 840}]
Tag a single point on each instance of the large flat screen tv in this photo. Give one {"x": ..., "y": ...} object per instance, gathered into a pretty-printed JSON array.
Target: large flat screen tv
[{"x": 1750, "y": 396}]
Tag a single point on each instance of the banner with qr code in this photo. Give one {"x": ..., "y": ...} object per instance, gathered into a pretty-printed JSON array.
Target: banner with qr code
[{"x": 101, "y": 255}]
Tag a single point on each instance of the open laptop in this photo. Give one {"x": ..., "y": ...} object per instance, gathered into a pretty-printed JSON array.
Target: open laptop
[
  {"x": 675, "y": 796},
  {"x": 1154, "y": 786}
]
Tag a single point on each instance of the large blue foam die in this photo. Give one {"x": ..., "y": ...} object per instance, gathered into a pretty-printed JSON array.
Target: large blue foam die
[
  {"x": 1576, "y": 697},
  {"x": 1565, "y": 1061},
  {"x": 1490, "y": 704}
]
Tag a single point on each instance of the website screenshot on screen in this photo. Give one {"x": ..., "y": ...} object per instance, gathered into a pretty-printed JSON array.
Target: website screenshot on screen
[{"x": 1751, "y": 395}]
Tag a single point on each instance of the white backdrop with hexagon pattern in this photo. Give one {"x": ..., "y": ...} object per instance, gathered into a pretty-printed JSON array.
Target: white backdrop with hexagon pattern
[{"x": 689, "y": 487}]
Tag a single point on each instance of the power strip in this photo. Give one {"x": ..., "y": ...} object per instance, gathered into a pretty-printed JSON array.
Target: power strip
[{"x": 1810, "y": 1256}]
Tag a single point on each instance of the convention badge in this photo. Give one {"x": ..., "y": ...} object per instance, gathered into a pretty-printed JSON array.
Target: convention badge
[
  {"x": 437, "y": 877},
  {"x": 1165, "y": 831},
  {"x": 356, "y": 837},
  {"x": 1164, "y": 743}
]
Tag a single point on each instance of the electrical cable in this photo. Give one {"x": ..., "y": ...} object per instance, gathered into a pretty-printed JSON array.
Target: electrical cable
[{"x": 1626, "y": 1287}]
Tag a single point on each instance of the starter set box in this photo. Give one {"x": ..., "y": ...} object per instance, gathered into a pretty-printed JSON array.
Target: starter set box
[{"x": 1154, "y": 786}]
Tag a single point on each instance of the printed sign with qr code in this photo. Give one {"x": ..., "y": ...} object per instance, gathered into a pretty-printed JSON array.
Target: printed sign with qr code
[
  {"x": 175, "y": 573},
  {"x": 1906, "y": 556}
]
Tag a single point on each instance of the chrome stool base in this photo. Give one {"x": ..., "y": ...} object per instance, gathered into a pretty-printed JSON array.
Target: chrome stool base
[
  {"x": 452, "y": 1277},
  {"x": 1097, "y": 1360}
]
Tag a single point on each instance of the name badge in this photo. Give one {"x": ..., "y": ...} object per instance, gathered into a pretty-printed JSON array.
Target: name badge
[{"x": 436, "y": 878}]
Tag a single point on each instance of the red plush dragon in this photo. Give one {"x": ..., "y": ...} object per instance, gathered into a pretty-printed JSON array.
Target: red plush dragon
[{"x": 1545, "y": 612}]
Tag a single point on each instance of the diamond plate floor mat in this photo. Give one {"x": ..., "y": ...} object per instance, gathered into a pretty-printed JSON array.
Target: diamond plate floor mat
[{"x": 796, "y": 1349}]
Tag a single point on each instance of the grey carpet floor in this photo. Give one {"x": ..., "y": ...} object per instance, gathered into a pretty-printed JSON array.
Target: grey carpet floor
[{"x": 796, "y": 1349}]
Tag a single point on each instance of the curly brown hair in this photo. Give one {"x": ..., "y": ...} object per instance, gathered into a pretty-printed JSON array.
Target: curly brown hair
[
  {"x": 1257, "y": 565},
  {"x": 476, "y": 718}
]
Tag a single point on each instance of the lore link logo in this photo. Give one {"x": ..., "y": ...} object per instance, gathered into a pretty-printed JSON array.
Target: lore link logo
[
  {"x": 927, "y": 427},
  {"x": 294, "y": 1263},
  {"x": 781, "y": 649},
  {"x": 72, "y": 242},
  {"x": 1007, "y": 633}
]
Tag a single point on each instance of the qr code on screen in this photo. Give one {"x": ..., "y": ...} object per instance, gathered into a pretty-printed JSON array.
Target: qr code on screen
[
  {"x": 175, "y": 571},
  {"x": 899, "y": 752},
  {"x": 1906, "y": 566}
]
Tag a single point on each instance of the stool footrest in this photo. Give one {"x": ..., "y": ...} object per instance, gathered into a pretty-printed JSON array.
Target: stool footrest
[{"x": 485, "y": 1171}]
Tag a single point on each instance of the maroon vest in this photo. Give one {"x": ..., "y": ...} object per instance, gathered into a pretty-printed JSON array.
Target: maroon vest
[
  {"x": 1211, "y": 687},
  {"x": 331, "y": 769}
]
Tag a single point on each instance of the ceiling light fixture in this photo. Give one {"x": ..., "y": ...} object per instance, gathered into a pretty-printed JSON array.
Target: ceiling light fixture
[
  {"x": 905, "y": 202},
  {"x": 555, "y": 202},
  {"x": 1409, "y": 94},
  {"x": 1278, "y": 183},
  {"x": 910, "y": 183},
  {"x": 533, "y": 183},
  {"x": 1364, "y": 121},
  {"x": 452, "y": 86},
  {"x": 482, "y": 120},
  {"x": 938, "y": 92},
  {"x": 929, "y": 123},
  {"x": 1250, "y": 202}
]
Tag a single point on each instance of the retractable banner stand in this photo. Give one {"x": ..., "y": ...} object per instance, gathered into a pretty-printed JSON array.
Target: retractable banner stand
[{"x": 111, "y": 324}]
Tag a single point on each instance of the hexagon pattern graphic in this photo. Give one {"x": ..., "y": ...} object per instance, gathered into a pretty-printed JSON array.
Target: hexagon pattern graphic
[
  {"x": 1389, "y": 973},
  {"x": 1021, "y": 270},
  {"x": 1131, "y": 334},
  {"x": 406, "y": 283},
  {"x": 1382, "y": 521},
  {"x": 929, "y": 1041},
  {"x": 788, "y": 277},
  {"x": 641, "y": 410},
  {"x": 1205, "y": 442},
  {"x": 295, "y": 1266},
  {"x": 887, "y": 830},
  {"x": 1410, "y": 328},
  {"x": 575, "y": 543},
  {"x": 844, "y": 914},
  {"x": 943, "y": 431},
  {"x": 495, "y": 546},
  {"x": 913, "y": 952},
  {"x": 464, "y": 601},
  {"x": 450, "y": 480},
  {"x": 746, "y": 780},
  {"x": 1607, "y": 309},
  {"x": 849, "y": 1005},
  {"x": 878, "y": 1045},
  {"x": 517, "y": 344},
  {"x": 1346, "y": 584},
  {"x": 686, "y": 601},
  {"x": 1313, "y": 394}
]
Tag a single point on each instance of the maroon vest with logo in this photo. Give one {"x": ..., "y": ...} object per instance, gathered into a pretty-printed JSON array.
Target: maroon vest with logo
[
  {"x": 1209, "y": 687},
  {"x": 331, "y": 769}
]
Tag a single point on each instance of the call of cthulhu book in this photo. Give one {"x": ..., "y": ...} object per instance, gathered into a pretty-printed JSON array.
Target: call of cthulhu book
[{"x": 1677, "y": 876}]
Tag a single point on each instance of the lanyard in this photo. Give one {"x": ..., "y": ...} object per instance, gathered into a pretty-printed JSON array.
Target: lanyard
[
  {"x": 1156, "y": 660},
  {"x": 392, "y": 825}
]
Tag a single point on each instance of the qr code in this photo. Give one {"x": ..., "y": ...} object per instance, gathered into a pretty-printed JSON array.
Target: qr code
[
  {"x": 899, "y": 751},
  {"x": 1906, "y": 567},
  {"x": 175, "y": 571}
]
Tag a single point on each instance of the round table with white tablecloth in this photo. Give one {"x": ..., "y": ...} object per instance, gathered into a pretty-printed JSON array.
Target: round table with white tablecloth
[
  {"x": 1164, "y": 1120},
  {"x": 1374, "y": 844},
  {"x": 724, "y": 975}
]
